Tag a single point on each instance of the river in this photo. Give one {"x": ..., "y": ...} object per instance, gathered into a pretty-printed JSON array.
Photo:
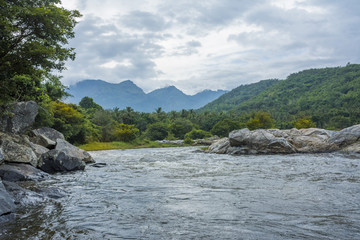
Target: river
[{"x": 181, "y": 193}]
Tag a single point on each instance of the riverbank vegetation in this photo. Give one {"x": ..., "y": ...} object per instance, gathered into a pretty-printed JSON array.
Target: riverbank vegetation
[{"x": 95, "y": 146}]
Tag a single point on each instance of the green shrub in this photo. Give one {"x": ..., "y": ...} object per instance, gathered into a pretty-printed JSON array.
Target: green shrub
[
  {"x": 303, "y": 123},
  {"x": 126, "y": 133},
  {"x": 188, "y": 141},
  {"x": 261, "y": 120},
  {"x": 198, "y": 134},
  {"x": 180, "y": 127},
  {"x": 224, "y": 127},
  {"x": 157, "y": 131}
]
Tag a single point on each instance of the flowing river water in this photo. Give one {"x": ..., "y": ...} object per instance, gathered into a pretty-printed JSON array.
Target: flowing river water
[{"x": 181, "y": 193}]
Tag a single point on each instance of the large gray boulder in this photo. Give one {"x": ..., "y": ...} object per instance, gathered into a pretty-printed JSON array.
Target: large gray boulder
[
  {"x": 18, "y": 117},
  {"x": 14, "y": 172},
  {"x": 272, "y": 141},
  {"x": 15, "y": 149},
  {"x": 258, "y": 142},
  {"x": 50, "y": 133},
  {"x": 44, "y": 141},
  {"x": 220, "y": 146},
  {"x": 38, "y": 149},
  {"x": 58, "y": 161},
  {"x": 310, "y": 140},
  {"x": 345, "y": 137},
  {"x": 353, "y": 148},
  {"x": 7, "y": 204},
  {"x": 73, "y": 151}
]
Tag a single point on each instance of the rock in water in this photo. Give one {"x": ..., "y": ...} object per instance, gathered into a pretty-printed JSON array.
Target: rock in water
[
  {"x": 14, "y": 172},
  {"x": 58, "y": 161},
  {"x": 73, "y": 151},
  {"x": 18, "y": 117},
  {"x": 345, "y": 137},
  {"x": 220, "y": 146},
  {"x": 273, "y": 141},
  {"x": 258, "y": 141},
  {"x": 7, "y": 204}
]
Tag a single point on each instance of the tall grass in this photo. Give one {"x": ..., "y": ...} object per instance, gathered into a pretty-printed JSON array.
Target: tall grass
[{"x": 96, "y": 146}]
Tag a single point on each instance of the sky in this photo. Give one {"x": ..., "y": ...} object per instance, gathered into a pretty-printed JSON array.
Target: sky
[{"x": 209, "y": 44}]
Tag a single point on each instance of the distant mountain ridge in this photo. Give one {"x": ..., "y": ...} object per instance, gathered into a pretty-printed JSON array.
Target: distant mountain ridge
[{"x": 127, "y": 94}]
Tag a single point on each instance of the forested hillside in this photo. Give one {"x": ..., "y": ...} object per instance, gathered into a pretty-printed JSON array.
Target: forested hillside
[
  {"x": 238, "y": 95},
  {"x": 329, "y": 97}
]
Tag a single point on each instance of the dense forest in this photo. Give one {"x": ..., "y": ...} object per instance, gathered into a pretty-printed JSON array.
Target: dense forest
[{"x": 328, "y": 96}]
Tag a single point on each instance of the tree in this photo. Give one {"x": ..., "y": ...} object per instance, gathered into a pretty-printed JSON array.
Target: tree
[
  {"x": 180, "y": 127},
  {"x": 261, "y": 120},
  {"x": 126, "y": 133},
  {"x": 197, "y": 134},
  {"x": 33, "y": 35},
  {"x": 303, "y": 123},
  {"x": 104, "y": 120},
  {"x": 224, "y": 127},
  {"x": 88, "y": 103},
  {"x": 157, "y": 131}
]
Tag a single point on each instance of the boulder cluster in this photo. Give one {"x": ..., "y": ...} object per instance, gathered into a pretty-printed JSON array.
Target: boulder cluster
[
  {"x": 31, "y": 155},
  {"x": 275, "y": 141}
]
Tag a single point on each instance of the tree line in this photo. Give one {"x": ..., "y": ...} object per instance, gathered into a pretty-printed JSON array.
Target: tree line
[{"x": 89, "y": 122}]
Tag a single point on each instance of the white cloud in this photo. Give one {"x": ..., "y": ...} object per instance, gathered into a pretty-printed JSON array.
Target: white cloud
[{"x": 214, "y": 44}]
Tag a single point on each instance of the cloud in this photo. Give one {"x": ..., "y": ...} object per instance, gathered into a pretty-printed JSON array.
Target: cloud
[
  {"x": 214, "y": 44},
  {"x": 102, "y": 49},
  {"x": 145, "y": 21}
]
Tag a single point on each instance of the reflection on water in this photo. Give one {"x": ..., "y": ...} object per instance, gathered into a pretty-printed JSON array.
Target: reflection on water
[{"x": 177, "y": 193}]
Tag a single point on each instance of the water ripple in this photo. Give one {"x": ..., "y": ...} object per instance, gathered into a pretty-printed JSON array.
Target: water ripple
[{"x": 177, "y": 193}]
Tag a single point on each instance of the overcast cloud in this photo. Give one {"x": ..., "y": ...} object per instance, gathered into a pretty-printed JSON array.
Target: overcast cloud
[{"x": 210, "y": 44}]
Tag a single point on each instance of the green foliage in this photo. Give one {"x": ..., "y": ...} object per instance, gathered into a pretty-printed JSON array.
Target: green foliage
[
  {"x": 126, "y": 133},
  {"x": 32, "y": 44},
  {"x": 104, "y": 121},
  {"x": 261, "y": 120},
  {"x": 198, "y": 134},
  {"x": 157, "y": 131},
  {"x": 188, "y": 140},
  {"x": 138, "y": 143},
  {"x": 224, "y": 127},
  {"x": 227, "y": 101},
  {"x": 303, "y": 123},
  {"x": 67, "y": 119},
  {"x": 180, "y": 127},
  {"x": 54, "y": 88},
  {"x": 88, "y": 103}
]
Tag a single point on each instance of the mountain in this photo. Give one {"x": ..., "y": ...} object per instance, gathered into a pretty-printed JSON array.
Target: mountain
[
  {"x": 329, "y": 96},
  {"x": 127, "y": 94}
]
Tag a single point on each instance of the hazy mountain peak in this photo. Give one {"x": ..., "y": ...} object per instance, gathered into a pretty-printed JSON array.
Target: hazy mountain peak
[{"x": 128, "y": 94}]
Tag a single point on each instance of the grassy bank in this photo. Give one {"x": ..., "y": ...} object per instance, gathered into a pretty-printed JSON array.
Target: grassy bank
[{"x": 96, "y": 146}]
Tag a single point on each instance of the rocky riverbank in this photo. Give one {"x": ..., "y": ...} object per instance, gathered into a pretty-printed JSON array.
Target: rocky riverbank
[
  {"x": 31, "y": 155},
  {"x": 275, "y": 141}
]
